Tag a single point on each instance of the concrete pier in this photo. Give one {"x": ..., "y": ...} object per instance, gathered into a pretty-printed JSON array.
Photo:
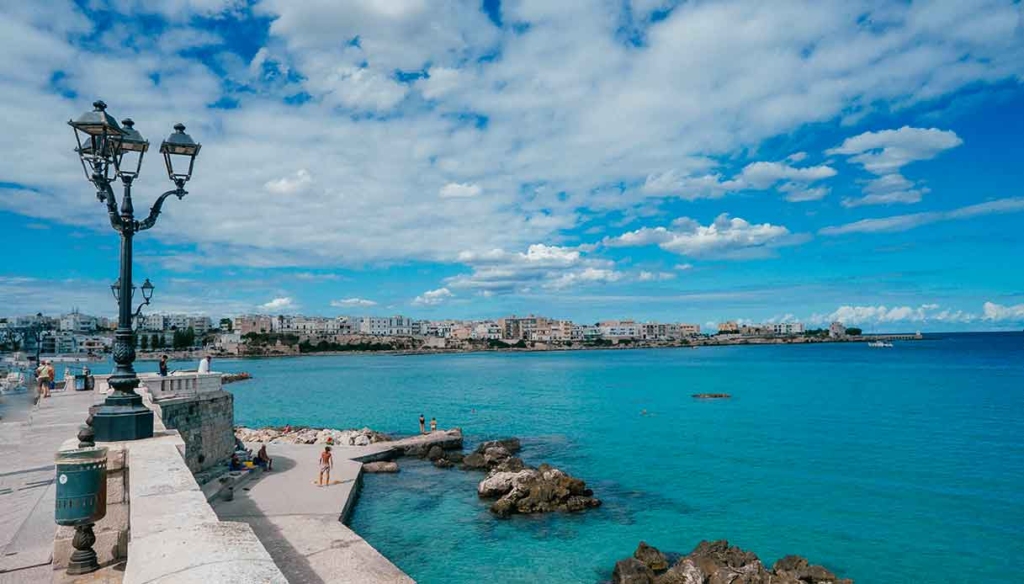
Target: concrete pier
[{"x": 300, "y": 523}]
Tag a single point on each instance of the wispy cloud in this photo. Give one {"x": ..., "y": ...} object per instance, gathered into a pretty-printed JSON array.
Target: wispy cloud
[
  {"x": 353, "y": 303},
  {"x": 910, "y": 221},
  {"x": 885, "y": 153}
]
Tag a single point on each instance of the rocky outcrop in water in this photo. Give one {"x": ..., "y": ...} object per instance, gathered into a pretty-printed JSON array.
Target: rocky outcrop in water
[
  {"x": 717, "y": 562},
  {"x": 233, "y": 377},
  {"x": 290, "y": 435},
  {"x": 494, "y": 454},
  {"x": 541, "y": 490},
  {"x": 517, "y": 487}
]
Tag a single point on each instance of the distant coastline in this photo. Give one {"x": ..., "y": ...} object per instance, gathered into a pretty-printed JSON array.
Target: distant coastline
[{"x": 544, "y": 348}]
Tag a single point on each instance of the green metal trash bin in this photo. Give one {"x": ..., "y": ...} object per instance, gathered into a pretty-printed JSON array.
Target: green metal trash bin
[
  {"x": 82, "y": 501},
  {"x": 81, "y": 486}
]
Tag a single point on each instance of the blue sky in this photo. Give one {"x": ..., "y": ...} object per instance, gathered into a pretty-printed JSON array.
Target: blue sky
[{"x": 648, "y": 159}]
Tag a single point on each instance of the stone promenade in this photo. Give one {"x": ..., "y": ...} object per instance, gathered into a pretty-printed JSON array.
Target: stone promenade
[{"x": 29, "y": 439}]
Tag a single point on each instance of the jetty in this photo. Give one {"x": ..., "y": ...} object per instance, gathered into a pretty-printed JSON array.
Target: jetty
[{"x": 301, "y": 524}]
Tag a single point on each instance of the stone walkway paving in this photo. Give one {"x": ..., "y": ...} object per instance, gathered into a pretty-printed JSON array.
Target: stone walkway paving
[
  {"x": 29, "y": 437},
  {"x": 300, "y": 523}
]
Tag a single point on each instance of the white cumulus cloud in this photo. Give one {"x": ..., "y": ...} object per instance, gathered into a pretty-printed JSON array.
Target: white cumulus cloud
[
  {"x": 725, "y": 238},
  {"x": 281, "y": 303},
  {"x": 433, "y": 297},
  {"x": 999, "y": 312}
]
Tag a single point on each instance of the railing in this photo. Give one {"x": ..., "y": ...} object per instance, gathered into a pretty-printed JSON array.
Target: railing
[{"x": 176, "y": 385}]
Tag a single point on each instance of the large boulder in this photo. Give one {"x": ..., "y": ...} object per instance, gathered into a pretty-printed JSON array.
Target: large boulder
[
  {"x": 510, "y": 464},
  {"x": 632, "y": 571},
  {"x": 498, "y": 484},
  {"x": 435, "y": 453},
  {"x": 496, "y": 454},
  {"x": 474, "y": 461},
  {"x": 651, "y": 556},
  {"x": 512, "y": 445}
]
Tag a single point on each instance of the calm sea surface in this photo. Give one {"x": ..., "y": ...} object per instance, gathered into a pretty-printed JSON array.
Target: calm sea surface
[{"x": 886, "y": 465}]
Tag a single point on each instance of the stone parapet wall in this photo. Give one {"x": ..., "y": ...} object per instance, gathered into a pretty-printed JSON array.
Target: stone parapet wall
[{"x": 206, "y": 424}]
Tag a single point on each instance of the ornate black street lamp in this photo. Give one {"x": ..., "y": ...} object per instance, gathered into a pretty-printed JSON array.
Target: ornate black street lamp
[{"x": 111, "y": 151}]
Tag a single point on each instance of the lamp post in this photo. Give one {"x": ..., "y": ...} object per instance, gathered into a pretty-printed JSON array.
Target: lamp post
[{"x": 111, "y": 151}]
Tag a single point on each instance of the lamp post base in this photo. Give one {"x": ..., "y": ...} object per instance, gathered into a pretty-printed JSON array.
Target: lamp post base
[
  {"x": 83, "y": 559},
  {"x": 122, "y": 417}
]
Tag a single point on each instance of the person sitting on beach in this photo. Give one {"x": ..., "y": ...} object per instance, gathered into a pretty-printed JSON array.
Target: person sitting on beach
[
  {"x": 326, "y": 463},
  {"x": 236, "y": 463},
  {"x": 263, "y": 459},
  {"x": 433, "y": 424},
  {"x": 423, "y": 424}
]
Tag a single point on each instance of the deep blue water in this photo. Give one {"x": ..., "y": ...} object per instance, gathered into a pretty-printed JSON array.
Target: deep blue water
[{"x": 886, "y": 465}]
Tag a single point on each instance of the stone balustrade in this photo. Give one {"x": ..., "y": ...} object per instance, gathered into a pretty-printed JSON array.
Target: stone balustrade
[{"x": 180, "y": 384}]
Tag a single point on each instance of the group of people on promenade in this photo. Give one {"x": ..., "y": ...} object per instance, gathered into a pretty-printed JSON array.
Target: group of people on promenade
[{"x": 423, "y": 424}]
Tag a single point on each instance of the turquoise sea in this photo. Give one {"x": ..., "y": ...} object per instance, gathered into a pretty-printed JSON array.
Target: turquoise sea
[{"x": 886, "y": 465}]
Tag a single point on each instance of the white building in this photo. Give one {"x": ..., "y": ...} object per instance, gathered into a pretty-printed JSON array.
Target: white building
[
  {"x": 619, "y": 329},
  {"x": 383, "y": 326},
  {"x": 77, "y": 323},
  {"x": 836, "y": 330},
  {"x": 787, "y": 328},
  {"x": 157, "y": 322},
  {"x": 486, "y": 330}
]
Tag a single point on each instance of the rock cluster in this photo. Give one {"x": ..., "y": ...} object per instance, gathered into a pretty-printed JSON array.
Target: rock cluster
[
  {"x": 233, "y": 377},
  {"x": 493, "y": 454},
  {"x": 717, "y": 562},
  {"x": 289, "y": 435},
  {"x": 535, "y": 490},
  {"x": 517, "y": 487}
]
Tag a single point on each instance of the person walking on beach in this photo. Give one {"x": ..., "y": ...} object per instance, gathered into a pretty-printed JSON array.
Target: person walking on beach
[
  {"x": 326, "y": 464},
  {"x": 423, "y": 424},
  {"x": 433, "y": 424},
  {"x": 204, "y": 364},
  {"x": 163, "y": 366}
]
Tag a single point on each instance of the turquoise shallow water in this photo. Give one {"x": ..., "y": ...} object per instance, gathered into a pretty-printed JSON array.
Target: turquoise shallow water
[{"x": 888, "y": 466}]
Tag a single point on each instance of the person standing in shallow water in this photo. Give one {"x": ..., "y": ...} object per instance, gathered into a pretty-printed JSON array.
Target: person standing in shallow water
[
  {"x": 326, "y": 464},
  {"x": 423, "y": 424},
  {"x": 433, "y": 424}
]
